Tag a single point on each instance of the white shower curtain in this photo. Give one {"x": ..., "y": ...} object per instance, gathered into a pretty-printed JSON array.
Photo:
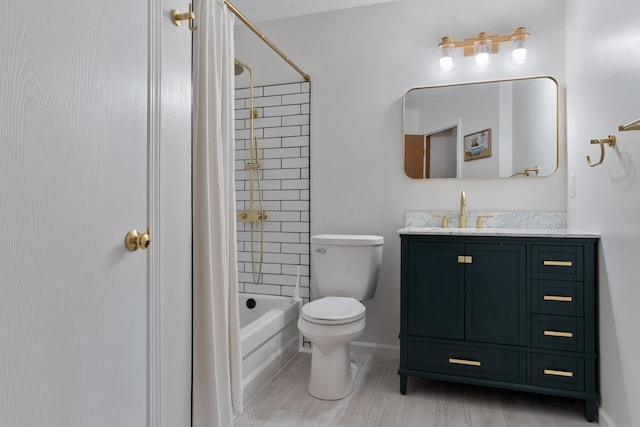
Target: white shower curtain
[{"x": 217, "y": 371}]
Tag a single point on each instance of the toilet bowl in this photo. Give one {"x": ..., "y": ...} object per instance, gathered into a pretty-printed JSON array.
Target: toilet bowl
[
  {"x": 330, "y": 324},
  {"x": 345, "y": 268}
]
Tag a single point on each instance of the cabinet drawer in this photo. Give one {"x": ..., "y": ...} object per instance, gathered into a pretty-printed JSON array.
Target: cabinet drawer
[
  {"x": 557, "y": 262},
  {"x": 497, "y": 365},
  {"x": 561, "y": 372},
  {"x": 557, "y": 297},
  {"x": 557, "y": 332}
]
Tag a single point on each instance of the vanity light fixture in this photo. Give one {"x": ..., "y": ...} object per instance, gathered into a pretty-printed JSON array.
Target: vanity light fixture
[{"x": 482, "y": 46}]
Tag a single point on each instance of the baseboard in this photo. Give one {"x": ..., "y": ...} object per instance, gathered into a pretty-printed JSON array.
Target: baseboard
[
  {"x": 391, "y": 351},
  {"x": 604, "y": 419}
]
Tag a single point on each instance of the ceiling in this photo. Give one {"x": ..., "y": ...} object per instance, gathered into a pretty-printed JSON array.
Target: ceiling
[{"x": 269, "y": 10}]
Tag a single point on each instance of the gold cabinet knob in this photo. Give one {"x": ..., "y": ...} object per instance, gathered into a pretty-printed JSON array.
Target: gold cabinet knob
[{"x": 134, "y": 240}]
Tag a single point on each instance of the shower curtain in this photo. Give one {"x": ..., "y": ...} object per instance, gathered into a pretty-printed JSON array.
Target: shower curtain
[{"x": 217, "y": 371}]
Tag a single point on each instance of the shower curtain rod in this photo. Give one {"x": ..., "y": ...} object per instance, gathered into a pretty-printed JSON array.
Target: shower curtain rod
[{"x": 264, "y": 38}]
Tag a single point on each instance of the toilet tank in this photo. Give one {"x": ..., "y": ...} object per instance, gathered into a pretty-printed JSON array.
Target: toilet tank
[{"x": 346, "y": 265}]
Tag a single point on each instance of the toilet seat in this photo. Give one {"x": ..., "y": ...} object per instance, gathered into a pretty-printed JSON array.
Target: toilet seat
[{"x": 333, "y": 311}]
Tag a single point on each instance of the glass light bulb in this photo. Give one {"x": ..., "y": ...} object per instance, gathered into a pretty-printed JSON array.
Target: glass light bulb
[
  {"x": 482, "y": 59},
  {"x": 446, "y": 63},
  {"x": 519, "y": 52},
  {"x": 519, "y": 56},
  {"x": 446, "y": 60},
  {"x": 481, "y": 50}
]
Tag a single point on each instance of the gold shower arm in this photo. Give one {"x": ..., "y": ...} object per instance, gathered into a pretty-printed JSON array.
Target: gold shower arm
[{"x": 264, "y": 38}]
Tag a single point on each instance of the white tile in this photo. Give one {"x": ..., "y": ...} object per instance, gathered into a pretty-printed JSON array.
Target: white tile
[
  {"x": 301, "y": 98},
  {"x": 284, "y": 110},
  {"x": 265, "y": 143},
  {"x": 272, "y": 205},
  {"x": 282, "y": 238},
  {"x": 270, "y": 164},
  {"x": 282, "y": 89},
  {"x": 282, "y": 258},
  {"x": 284, "y": 216},
  {"x": 278, "y": 279},
  {"x": 304, "y": 173},
  {"x": 295, "y": 227},
  {"x": 267, "y": 101},
  {"x": 289, "y": 248},
  {"x": 262, "y": 288},
  {"x": 282, "y": 174},
  {"x": 300, "y": 162},
  {"x": 266, "y": 267},
  {"x": 271, "y": 226},
  {"x": 267, "y": 122},
  {"x": 281, "y": 153},
  {"x": 294, "y": 206},
  {"x": 295, "y": 141},
  {"x": 281, "y": 195},
  {"x": 293, "y": 270},
  {"x": 270, "y": 184},
  {"x": 242, "y": 93},
  {"x": 282, "y": 131},
  {"x": 290, "y": 184},
  {"x": 295, "y": 120}
]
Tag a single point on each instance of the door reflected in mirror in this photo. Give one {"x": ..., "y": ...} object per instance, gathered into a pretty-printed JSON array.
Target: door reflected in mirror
[{"x": 506, "y": 128}]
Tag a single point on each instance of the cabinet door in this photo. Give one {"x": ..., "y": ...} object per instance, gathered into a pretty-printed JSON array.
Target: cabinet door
[
  {"x": 434, "y": 286},
  {"x": 495, "y": 284}
]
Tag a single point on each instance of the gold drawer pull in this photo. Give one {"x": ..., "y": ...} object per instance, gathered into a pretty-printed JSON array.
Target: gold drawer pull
[
  {"x": 557, "y": 298},
  {"x": 558, "y": 263},
  {"x": 464, "y": 362},
  {"x": 558, "y": 373},
  {"x": 559, "y": 334},
  {"x": 465, "y": 259}
]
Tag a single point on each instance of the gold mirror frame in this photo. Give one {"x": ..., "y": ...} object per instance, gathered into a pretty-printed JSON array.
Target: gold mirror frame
[{"x": 493, "y": 159}]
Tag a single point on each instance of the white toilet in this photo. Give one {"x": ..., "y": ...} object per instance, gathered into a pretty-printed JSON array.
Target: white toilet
[{"x": 345, "y": 269}]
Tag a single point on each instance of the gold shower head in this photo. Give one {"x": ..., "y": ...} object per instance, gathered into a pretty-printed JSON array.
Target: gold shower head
[{"x": 239, "y": 69}]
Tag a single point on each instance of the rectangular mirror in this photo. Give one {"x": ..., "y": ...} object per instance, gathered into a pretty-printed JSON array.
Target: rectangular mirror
[{"x": 505, "y": 128}]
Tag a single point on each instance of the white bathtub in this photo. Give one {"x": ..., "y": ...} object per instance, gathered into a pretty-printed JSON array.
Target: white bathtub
[{"x": 269, "y": 339}]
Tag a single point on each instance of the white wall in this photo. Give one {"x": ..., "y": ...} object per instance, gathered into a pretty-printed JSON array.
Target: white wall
[
  {"x": 602, "y": 92},
  {"x": 362, "y": 61}
]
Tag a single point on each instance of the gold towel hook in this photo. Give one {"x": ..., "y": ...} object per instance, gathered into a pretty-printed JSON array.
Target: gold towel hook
[
  {"x": 177, "y": 17},
  {"x": 610, "y": 141}
]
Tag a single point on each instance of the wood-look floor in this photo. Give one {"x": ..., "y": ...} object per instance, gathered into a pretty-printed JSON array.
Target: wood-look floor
[{"x": 376, "y": 401}]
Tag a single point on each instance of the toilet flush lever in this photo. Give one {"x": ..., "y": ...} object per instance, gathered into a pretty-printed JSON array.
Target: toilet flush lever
[{"x": 321, "y": 251}]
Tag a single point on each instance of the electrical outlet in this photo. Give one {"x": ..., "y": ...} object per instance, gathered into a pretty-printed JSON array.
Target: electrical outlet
[{"x": 572, "y": 186}]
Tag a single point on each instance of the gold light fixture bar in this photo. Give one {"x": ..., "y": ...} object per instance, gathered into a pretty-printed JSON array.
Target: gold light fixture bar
[
  {"x": 265, "y": 39},
  {"x": 467, "y": 44}
]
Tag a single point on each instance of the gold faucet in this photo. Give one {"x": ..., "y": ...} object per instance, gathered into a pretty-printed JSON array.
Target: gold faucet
[{"x": 463, "y": 203}]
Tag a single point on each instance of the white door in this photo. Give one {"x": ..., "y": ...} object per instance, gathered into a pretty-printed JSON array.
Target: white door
[{"x": 84, "y": 324}]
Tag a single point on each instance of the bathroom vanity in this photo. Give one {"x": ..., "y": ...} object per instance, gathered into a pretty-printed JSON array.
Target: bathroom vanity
[{"x": 513, "y": 309}]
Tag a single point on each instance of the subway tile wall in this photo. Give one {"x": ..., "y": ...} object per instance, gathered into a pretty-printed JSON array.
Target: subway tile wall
[{"x": 282, "y": 129}]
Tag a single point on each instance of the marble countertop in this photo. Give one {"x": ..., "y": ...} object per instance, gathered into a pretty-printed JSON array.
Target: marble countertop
[{"x": 513, "y": 232}]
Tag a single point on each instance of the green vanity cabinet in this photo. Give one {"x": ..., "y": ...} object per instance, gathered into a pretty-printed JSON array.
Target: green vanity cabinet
[{"x": 509, "y": 312}]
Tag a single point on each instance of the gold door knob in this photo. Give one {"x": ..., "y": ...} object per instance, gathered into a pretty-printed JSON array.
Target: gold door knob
[{"x": 134, "y": 240}]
